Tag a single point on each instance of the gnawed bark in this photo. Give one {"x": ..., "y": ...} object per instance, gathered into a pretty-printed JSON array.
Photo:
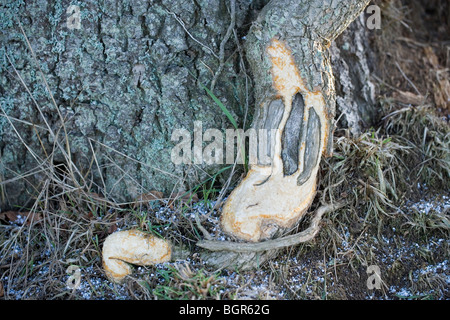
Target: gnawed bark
[{"x": 287, "y": 48}]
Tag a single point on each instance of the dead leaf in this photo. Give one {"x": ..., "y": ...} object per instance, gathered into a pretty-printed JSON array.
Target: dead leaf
[
  {"x": 441, "y": 89},
  {"x": 432, "y": 58},
  {"x": 193, "y": 197},
  {"x": 2, "y": 291},
  {"x": 442, "y": 94},
  {"x": 34, "y": 217},
  {"x": 8, "y": 216},
  {"x": 408, "y": 98},
  {"x": 21, "y": 217},
  {"x": 152, "y": 195},
  {"x": 112, "y": 228},
  {"x": 96, "y": 196}
]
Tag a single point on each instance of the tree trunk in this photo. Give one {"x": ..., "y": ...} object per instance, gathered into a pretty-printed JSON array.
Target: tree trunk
[
  {"x": 132, "y": 73},
  {"x": 287, "y": 48}
]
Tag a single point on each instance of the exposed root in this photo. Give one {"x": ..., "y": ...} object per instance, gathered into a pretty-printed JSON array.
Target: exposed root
[{"x": 278, "y": 243}]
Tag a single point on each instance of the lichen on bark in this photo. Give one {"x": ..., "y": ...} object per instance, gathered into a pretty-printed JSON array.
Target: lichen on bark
[{"x": 90, "y": 73}]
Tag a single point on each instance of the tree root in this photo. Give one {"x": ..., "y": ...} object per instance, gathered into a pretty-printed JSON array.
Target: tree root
[{"x": 274, "y": 244}]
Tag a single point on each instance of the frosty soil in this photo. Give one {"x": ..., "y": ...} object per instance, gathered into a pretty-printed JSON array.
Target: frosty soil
[{"x": 290, "y": 276}]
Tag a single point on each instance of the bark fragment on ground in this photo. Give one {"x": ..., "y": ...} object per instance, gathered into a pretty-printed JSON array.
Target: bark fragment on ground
[{"x": 123, "y": 248}]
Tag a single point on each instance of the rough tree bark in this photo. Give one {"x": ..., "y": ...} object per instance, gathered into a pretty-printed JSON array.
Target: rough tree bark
[
  {"x": 123, "y": 82},
  {"x": 132, "y": 73}
]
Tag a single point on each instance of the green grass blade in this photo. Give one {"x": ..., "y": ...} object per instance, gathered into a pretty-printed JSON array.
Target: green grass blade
[{"x": 222, "y": 106}]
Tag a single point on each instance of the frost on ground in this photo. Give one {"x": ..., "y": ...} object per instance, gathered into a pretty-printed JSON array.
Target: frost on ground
[{"x": 411, "y": 267}]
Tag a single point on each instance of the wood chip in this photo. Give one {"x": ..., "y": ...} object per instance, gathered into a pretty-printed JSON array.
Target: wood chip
[{"x": 21, "y": 217}]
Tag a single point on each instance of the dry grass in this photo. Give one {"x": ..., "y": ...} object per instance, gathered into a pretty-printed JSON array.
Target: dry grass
[{"x": 394, "y": 180}]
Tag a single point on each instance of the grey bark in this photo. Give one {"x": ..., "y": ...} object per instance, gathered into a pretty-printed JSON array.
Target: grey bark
[
  {"x": 122, "y": 83},
  {"x": 353, "y": 62}
]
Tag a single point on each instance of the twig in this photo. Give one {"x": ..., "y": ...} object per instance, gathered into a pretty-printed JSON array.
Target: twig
[
  {"x": 202, "y": 229},
  {"x": 223, "y": 43},
  {"x": 279, "y": 243},
  {"x": 190, "y": 35},
  {"x": 242, "y": 65},
  {"x": 407, "y": 79}
]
